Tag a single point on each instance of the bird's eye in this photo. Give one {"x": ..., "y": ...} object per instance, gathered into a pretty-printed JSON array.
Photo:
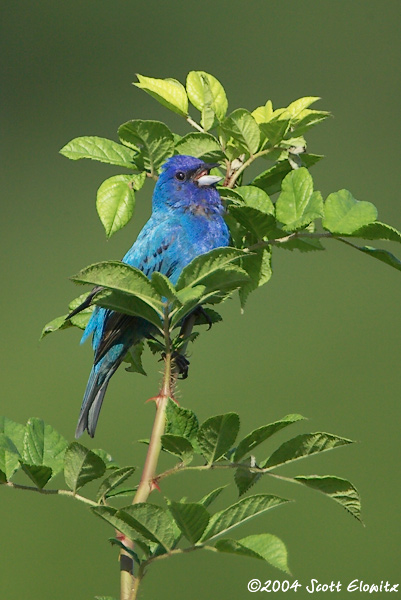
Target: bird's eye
[{"x": 180, "y": 176}]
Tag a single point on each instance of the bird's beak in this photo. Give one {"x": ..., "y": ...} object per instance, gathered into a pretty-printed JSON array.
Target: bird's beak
[
  {"x": 208, "y": 180},
  {"x": 203, "y": 178}
]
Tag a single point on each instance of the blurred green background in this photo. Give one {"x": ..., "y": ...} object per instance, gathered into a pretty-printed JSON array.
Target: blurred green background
[{"x": 321, "y": 339}]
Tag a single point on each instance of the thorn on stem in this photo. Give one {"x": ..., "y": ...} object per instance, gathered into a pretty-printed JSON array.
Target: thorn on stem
[
  {"x": 153, "y": 399},
  {"x": 154, "y": 486}
]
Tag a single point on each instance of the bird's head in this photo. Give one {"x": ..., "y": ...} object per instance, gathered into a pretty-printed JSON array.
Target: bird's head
[{"x": 185, "y": 182}]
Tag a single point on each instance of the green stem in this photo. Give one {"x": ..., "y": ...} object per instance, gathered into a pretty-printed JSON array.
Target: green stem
[
  {"x": 348, "y": 243},
  {"x": 173, "y": 553},
  {"x": 295, "y": 235},
  {"x": 181, "y": 467},
  {"x": 245, "y": 165},
  {"x": 138, "y": 579},
  {"x": 195, "y": 124},
  {"x": 129, "y": 583},
  {"x": 30, "y": 488}
]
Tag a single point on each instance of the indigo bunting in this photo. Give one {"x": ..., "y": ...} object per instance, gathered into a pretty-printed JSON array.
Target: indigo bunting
[{"x": 186, "y": 221}]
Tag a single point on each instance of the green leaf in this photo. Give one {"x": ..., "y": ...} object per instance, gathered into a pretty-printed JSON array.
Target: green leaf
[
  {"x": 200, "y": 145},
  {"x": 121, "y": 277},
  {"x": 223, "y": 282},
  {"x": 145, "y": 547},
  {"x": 9, "y": 458},
  {"x": 230, "y": 196},
  {"x": 217, "y": 434},
  {"x": 262, "y": 114},
  {"x": 101, "y": 149},
  {"x": 44, "y": 446},
  {"x": 163, "y": 287},
  {"x": 264, "y": 546},
  {"x": 86, "y": 312},
  {"x": 244, "y": 478},
  {"x": 134, "y": 358},
  {"x": 206, "y": 265},
  {"x": 218, "y": 283},
  {"x": 55, "y": 325},
  {"x": 181, "y": 421},
  {"x": 40, "y": 475},
  {"x": 296, "y": 108},
  {"x": 238, "y": 513},
  {"x": 212, "y": 317},
  {"x": 302, "y": 446},
  {"x": 238, "y": 233},
  {"x": 308, "y": 119},
  {"x": 256, "y": 211},
  {"x": 190, "y": 300},
  {"x": 270, "y": 180},
  {"x": 109, "y": 514},
  {"x": 152, "y": 522},
  {"x": 206, "y": 93},
  {"x": 82, "y": 319},
  {"x": 340, "y": 490},
  {"x": 115, "y": 203},
  {"x": 117, "y": 477},
  {"x": 254, "y": 197},
  {"x": 211, "y": 496},
  {"x": 179, "y": 446},
  {"x": 378, "y": 231},
  {"x": 301, "y": 244},
  {"x": 81, "y": 466},
  {"x": 169, "y": 92},
  {"x": 154, "y": 139},
  {"x": 179, "y": 342},
  {"x": 120, "y": 492},
  {"x": 298, "y": 205},
  {"x": 256, "y": 437},
  {"x": 241, "y": 126},
  {"x": 381, "y": 255},
  {"x": 258, "y": 267},
  {"x": 191, "y": 518},
  {"x": 129, "y": 305},
  {"x": 106, "y": 458},
  {"x": 345, "y": 215},
  {"x": 14, "y": 431},
  {"x": 190, "y": 295},
  {"x": 275, "y": 130}
]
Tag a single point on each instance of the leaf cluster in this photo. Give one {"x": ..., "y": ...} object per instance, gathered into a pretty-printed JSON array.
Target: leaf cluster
[
  {"x": 178, "y": 525},
  {"x": 298, "y": 218}
]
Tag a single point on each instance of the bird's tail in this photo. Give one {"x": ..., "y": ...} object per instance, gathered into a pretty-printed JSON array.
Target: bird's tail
[{"x": 93, "y": 398}]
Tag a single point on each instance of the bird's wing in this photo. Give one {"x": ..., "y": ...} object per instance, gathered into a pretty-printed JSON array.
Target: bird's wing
[
  {"x": 114, "y": 330},
  {"x": 156, "y": 249},
  {"x": 159, "y": 247}
]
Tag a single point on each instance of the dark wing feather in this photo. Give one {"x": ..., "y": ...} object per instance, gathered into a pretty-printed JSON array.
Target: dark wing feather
[{"x": 115, "y": 326}]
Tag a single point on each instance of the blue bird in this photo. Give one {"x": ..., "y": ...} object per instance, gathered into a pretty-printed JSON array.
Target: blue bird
[{"x": 186, "y": 221}]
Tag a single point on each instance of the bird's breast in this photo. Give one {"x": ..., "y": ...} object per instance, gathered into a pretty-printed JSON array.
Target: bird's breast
[{"x": 201, "y": 209}]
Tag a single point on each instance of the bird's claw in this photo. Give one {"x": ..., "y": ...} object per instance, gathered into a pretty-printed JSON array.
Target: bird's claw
[
  {"x": 200, "y": 311},
  {"x": 182, "y": 364}
]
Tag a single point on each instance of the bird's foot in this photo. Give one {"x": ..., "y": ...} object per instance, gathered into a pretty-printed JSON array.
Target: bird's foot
[
  {"x": 199, "y": 311},
  {"x": 182, "y": 365},
  {"x": 180, "y": 362}
]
